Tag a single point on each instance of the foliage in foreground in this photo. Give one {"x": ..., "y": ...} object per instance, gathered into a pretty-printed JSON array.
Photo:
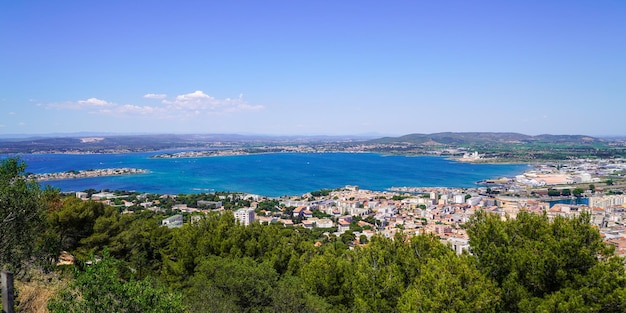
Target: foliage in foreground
[
  {"x": 549, "y": 266},
  {"x": 100, "y": 289},
  {"x": 22, "y": 209}
]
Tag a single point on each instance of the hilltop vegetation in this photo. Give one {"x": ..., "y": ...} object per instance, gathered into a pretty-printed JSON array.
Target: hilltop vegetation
[
  {"x": 477, "y": 138},
  {"x": 503, "y": 147},
  {"x": 155, "y": 142},
  {"x": 130, "y": 263}
]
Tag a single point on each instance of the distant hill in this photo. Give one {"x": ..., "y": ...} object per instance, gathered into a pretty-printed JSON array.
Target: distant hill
[
  {"x": 123, "y": 143},
  {"x": 455, "y": 139},
  {"x": 412, "y": 143}
]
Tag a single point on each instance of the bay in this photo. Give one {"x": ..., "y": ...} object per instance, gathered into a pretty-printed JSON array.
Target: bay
[{"x": 271, "y": 175}]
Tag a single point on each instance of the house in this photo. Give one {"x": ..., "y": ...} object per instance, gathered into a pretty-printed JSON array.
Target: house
[
  {"x": 308, "y": 224},
  {"x": 266, "y": 219},
  {"x": 299, "y": 211},
  {"x": 319, "y": 223},
  {"x": 325, "y": 223},
  {"x": 286, "y": 222},
  {"x": 103, "y": 196},
  {"x": 343, "y": 225},
  {"x": 209, "y": 204},
  {"x": 82, "y": 195},
  {"x": 458, "y": 244},
  {"x": 173, "y": 221}
]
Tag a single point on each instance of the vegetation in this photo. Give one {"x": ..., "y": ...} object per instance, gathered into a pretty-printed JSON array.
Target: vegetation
[
  {"x": 129, "y": 263},
  {"x": 99, "y": 289},
  {"x": 505, "y": 147},
  {"x": 548, "y": 266},
  {"x": 22, "y": 212},
  {"x": 321, "y": 192}
]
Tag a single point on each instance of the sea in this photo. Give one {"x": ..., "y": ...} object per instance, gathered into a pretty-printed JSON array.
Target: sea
[{"x": 272, "y": 175}]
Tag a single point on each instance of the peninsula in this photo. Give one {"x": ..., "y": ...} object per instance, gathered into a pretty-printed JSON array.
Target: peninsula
[{"x": 72, "y": 174}]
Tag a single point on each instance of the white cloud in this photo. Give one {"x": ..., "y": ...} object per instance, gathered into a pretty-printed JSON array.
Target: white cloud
[
  {"x": 155, "y": 96},
  {"x": 141, "y": 110},
  {"x": 196, "y": 99},
  {"x": 80, "y": 104},
  {"x": 12, "y": 113},
  {"x": 93, "y": 102},
  {"x": 182, "y": 106},
  {"x": 199, "y": 102}
]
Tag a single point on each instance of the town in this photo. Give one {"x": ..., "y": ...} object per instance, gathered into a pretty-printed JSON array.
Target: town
[{"x": 354, "y": 214}]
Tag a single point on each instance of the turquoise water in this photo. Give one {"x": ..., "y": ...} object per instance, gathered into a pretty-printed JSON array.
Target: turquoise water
[{"x": 267, "y": 174}]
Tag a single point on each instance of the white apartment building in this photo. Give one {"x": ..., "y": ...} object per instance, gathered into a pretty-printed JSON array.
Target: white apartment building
[
  {"x": 606, "y": 202},
  {"x": 245, "y": 216}
]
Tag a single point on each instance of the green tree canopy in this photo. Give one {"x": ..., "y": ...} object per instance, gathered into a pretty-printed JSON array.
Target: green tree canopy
[
  {"x": 75, "y": 221},
  {"x": 22, "y": 213},
  {"x": 451, "y": 284},
  {"x": 101, "y": 289},
  {"x": 534, "y": 260}
]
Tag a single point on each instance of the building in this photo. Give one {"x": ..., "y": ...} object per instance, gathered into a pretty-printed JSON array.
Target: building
[
  {"x": 245, "y": 216},
  {"x": 82, "y": 195},
  {"x": 173, "y": 221},
  {"x": 460, "y": 198},
  {"x": 459, "y": 245},
  {"x": 606, "y": 202},
  {"x": 210, "y": 204},
  {"x": 319, "y": 223},
  {"x": 299, "y": 211},
  {"x": 344, "y": 226}
]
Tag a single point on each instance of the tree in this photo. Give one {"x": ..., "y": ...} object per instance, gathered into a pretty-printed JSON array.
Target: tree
[
  {"x": 232, "y": 283},
  {"x": 22, "y": 211},
  {"x": 379, "y": 279},
  {"x": 554, "y": 193},
  {"x": 450, "y": 284},
  {"x": 75, "y": 221},
  {"x": 578, "y": 192},
  {"x": 348, "y": 237},
  {"x": 362, "y": 239},
  {"x": 291, "y": 295},
  {"x": 534, "y": 260},
  {"x": 101, "y": 289},
  {"x": 138, "y": 239},
  {"x": 328, "y": 276}
]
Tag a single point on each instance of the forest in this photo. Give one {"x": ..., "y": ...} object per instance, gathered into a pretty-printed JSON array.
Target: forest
[{"x": 130, "y": 263}]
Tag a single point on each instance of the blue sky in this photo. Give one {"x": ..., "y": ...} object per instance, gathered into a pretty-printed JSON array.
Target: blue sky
[{"x": 313, "y": 67}]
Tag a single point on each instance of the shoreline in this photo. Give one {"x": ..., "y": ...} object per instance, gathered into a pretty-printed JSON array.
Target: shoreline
[{"x": 252, "y": 151}]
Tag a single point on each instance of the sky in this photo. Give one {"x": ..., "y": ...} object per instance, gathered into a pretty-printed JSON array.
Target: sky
[{"x": 322, "y": 67}]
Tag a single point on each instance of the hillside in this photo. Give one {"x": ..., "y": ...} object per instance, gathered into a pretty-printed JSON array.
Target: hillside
[
  {"x": 472, "y": 138},
  {"x": 138, "y": 143},
  {"x": 498, "y": 147}
]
